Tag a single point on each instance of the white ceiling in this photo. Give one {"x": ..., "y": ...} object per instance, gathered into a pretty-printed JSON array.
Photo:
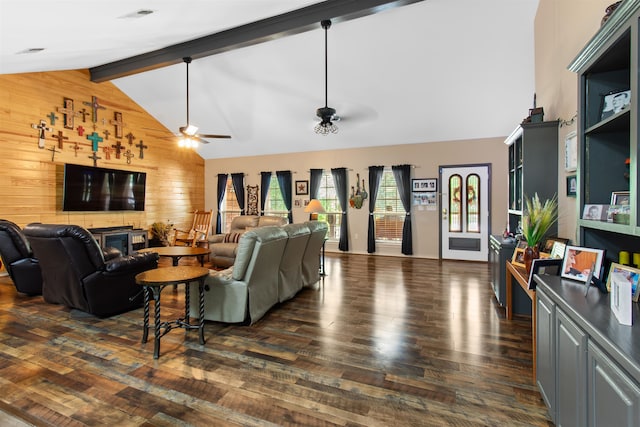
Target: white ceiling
[{"x": 437, "y": 70}]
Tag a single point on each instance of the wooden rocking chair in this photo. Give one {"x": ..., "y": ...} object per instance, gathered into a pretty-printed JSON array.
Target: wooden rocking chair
[{"x": 199, "y": 233}]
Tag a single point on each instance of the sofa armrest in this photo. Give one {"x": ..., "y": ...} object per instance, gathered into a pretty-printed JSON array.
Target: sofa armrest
[
  {"x": 138, "y": 261},
  {"x": 216, "y": 238},
  {"x": 110, "y": 253}
]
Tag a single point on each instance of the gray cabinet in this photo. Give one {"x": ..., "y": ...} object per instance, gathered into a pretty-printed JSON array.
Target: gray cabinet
[
  {"x": 608, "y": 144},
  {"x": 571, "y": 369},
  {"x": 533, "y": 167},
  {"x": 613, "y": 398},
  {"x": 500, "y": 251},
  {"x": 588, "y": 365},
  {"x": 546, "y": 350}
]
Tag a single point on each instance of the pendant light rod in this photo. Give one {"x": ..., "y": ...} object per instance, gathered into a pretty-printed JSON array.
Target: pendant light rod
[
  {"x": 187, "y": 60},
  {"x": 326, "y": 24}
]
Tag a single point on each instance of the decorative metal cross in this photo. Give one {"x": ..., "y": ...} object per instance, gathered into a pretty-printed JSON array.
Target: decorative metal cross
[
  {"x": 76, "y": 147},
  {"x": 42, "y": 127},
  {"x": 95, "y": 139},
  {"x": 83, "y": 113},
  {"x": 95, "y": 106},
  {"x": 106, "y": 134},
  {"x": 142, "y": 147},
  {"x": 118, "y": 123},
  {"x": 68, "y": 114},
  {"x": 81, "y": 130},
  {"x": 130, "y": 137},
  {"x": 129, "y": 155},
  {"x": 60, "y": 139},
  {"x": 95, "y": 158},
  {"x": 118, "y": 146},
  {"x": 53, "y": 151},
  {"x": 107, "y": 152},
  {"x": 52, "y": 118}
]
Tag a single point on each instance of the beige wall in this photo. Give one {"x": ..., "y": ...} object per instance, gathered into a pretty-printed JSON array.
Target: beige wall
[
  {"x": 31, "y": 183},
  {"x": 424, "y": 157},
  {"x": 562, "y": 28}
]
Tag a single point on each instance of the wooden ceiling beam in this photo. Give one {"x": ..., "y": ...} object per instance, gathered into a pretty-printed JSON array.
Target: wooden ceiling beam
[{"x": 295, "y": 22}]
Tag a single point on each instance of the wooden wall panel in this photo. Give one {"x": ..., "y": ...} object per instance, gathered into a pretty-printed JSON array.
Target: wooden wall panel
[{"x": 31, "y": 185}]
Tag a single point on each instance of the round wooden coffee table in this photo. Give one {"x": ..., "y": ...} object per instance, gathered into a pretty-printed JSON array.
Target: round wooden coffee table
[
  {"x": 177, "y": 252},
  {"x": 153, "y": 282}
]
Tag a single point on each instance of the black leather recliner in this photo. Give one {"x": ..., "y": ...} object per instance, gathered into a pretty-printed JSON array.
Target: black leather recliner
[
  {"x": 18, "y": 259},
  {"x": 76, "y": 274}
]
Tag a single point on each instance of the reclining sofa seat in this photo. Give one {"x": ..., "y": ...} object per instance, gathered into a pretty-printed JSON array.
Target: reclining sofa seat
[
  {"x": 223, "y": 246},
  {"x": 290, "y": 275},
  {"x": 19, "y": 261},
  {"x": 311, "y": 258},
  {"x": 76, "y": 274},
  {"x": 246, "y": 291}
]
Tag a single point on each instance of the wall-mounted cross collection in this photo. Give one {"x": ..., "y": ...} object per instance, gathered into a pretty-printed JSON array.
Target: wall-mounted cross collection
[{"x": 68, "y": 114}]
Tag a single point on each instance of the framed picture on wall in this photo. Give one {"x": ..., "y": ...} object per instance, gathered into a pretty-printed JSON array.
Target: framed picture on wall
[
  {"x": 571, "y": 152},
  {"x": 424, "y": 184},
  {"x": 572, "y": 186},
  {"x": 302, "y": 188}
]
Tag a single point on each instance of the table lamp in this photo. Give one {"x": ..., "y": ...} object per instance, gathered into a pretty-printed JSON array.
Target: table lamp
[{"x": 314, "y": 208}]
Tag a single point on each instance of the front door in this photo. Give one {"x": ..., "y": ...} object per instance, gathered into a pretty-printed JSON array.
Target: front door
[{"x": 464, "y": 215}]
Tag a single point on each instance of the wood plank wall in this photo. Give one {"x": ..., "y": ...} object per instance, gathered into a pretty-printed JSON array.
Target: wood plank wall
[{"x": 31, "y": 184}]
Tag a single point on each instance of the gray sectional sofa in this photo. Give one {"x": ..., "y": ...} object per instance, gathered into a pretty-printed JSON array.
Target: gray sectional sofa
[
  {"x": 223, "y": 246},
  {"x": 269, "y": 268}
]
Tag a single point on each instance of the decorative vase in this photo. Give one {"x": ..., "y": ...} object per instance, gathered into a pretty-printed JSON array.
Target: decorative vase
[{"x": 530, "y": 253}]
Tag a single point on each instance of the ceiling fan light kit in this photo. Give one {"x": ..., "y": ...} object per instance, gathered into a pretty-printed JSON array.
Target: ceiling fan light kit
[
  {"x": 326, "y": 113},
  {"x": 189, "y": 136}
]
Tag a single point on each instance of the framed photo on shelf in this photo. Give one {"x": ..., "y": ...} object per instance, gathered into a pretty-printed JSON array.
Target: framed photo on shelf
[
  {"x": 615, "y": 102},
  {"x": 518, "y": 257},
  {"x": 302, "y": 188},
  {"x": 548, "y": 266},
  {"x": 580, "y": 263},
  {"x": 620, "y": 198},
  {"x": 594, "y": 212},
  {"x": 548, "y": 244},
  {"x": 623, "y": 272},
  {"x": 424, "y": 184},
  {"x": 572, "y": 186}
]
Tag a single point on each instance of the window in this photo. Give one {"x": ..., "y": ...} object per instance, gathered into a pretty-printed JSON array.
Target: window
[
  {"x": 473, "y": 203},
  {"x": 274, "y": 204},
  {"x": 389, "y": 213},
  {"x": 469, "y": 211},
  {"x": 455, "y": 203},
  {"x": 230, "y": 207},
  {"x": 327, "y": 196}
]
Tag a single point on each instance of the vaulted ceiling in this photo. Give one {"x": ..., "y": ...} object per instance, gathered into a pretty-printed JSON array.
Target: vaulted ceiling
[{"x": 408, "y": 72}]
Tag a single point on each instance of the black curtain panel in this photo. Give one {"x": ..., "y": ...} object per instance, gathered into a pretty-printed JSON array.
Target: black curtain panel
[
  {"x": 284, "y": 179},
  {"x": 341, "y": 186},
  {"x": 265, "y": 180},
  {"x": 222, "y": 187},
  {"x": 315, "y": 178},
  {"x": 237, "y": 179},
  {"x": 375, "y": 175},
  {"x": 402, "y": 174}
]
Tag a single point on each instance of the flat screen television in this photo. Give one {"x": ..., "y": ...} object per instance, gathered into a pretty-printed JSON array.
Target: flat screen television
[{"x": 88, "y": 188}]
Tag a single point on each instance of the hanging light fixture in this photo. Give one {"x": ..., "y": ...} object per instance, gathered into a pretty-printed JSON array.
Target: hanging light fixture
[{"x": 326, "y": 113}]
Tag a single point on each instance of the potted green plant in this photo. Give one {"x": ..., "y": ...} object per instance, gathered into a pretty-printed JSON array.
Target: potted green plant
[
  {"x": 160, "y": 232},
  {"x": 536, "y": 221}
]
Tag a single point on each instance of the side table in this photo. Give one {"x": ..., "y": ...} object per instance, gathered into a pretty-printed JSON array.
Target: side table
[{"x": 153, "y": 282}]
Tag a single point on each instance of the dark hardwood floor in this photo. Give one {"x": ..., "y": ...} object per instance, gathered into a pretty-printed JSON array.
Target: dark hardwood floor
[{"x": 382, "y": 341}]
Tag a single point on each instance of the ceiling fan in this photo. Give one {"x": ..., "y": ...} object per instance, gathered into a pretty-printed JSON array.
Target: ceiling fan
[
  {"x": 326, "y": 113},
  {"x": 189, "y": 132}
]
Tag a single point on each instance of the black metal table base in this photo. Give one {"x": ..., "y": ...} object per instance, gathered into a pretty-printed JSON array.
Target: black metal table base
[{"x": 162, "y": 328}]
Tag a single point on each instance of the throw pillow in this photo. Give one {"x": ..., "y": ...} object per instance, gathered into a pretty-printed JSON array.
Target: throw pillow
[{"x": 232, "y": 237}]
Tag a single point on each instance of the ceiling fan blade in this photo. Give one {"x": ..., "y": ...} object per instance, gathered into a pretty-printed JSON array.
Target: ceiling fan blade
[{"x": 204, "y": 135}]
